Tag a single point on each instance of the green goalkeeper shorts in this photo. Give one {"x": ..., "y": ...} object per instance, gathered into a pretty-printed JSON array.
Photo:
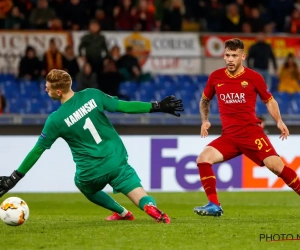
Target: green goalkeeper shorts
[{"x": 123, "y": 180}]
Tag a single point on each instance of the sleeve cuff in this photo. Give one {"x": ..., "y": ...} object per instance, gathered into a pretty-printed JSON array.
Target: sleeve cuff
[
  {"x": 205, "y": 97},
  {"x": 266, "y": 101}
]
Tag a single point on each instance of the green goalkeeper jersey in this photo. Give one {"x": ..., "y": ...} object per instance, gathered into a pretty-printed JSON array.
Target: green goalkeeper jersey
[{"x": 96, "y": 147}]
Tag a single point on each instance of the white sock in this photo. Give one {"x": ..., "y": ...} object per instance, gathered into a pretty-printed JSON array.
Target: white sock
[{"x": 124, "y": 212}]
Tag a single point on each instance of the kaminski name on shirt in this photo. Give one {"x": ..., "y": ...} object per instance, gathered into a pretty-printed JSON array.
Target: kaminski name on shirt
[
  {"x": 233, "y": 98},
  {"x": 81, "y": 112}
]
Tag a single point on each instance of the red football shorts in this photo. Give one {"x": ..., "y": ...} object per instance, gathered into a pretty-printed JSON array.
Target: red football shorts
[{"x": 254, "y": 144}]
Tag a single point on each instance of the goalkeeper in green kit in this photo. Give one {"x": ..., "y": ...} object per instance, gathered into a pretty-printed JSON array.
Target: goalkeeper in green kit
[{"x": 97, "y": 149}]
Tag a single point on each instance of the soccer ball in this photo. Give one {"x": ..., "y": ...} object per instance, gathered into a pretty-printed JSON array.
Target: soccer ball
[{"x": 14, "y": 211}]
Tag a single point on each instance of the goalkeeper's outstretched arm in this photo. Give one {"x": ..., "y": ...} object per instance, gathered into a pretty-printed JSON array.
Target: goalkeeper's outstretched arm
[
  {"x": 168, "y": 105},
  {"x": 8, "y": 182}
]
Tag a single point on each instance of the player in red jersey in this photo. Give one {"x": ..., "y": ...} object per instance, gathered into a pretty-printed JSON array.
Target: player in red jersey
[{"x": 236, "y": 88}]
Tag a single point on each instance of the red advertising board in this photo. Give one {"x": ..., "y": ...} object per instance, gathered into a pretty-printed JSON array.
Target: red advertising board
[{"x": 282, "y": 45}]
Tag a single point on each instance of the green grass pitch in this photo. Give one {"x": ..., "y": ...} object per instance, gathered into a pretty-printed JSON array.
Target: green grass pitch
[{"x": 69, "y": 221}]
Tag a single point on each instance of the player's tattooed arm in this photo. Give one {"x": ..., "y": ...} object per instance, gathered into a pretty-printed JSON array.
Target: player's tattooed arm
[{"x": 204, "y": 109}]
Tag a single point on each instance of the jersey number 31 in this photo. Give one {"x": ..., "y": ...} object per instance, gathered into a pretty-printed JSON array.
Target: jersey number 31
[{"x": 90, "y": 126}]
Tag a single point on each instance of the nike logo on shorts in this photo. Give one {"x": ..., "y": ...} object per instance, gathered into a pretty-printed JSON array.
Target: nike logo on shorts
[
  {"x": 268, "y": 150},
  {"x": 220, "y": 84}
]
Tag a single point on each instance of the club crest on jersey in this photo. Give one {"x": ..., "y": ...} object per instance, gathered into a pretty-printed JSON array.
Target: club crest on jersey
[{"x": 244, "y": 84}]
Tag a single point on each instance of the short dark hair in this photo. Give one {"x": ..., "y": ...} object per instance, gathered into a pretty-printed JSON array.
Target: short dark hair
[
  {"x": 129, "y": 49},
  {"x": 234, "y": 44},
  {"x": 93, "y": 21}
]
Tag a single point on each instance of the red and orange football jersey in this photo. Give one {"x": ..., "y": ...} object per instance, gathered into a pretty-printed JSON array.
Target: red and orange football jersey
[{"x": 236, "y": 97}]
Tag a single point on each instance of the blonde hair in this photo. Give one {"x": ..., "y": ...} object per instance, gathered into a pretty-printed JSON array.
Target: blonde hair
[{"x": 59, "y": 79}]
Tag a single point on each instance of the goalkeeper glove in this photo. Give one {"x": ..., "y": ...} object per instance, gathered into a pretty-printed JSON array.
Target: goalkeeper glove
[
  {"x": 168, "y": 105},
  {"x": 8, "y": 182}
]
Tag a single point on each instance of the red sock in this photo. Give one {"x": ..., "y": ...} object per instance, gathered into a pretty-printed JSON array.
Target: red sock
[
  {"x": 209, "y": 181},
  {"x": 289, "y": 176}
]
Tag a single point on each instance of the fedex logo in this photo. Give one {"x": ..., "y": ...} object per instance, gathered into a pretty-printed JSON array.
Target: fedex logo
[
  {"x": 228, "y": 174},
  {"x": 237, "y": 173},
  {"x": 233, "y": 98},
  {"x": 260, "y": 177}
]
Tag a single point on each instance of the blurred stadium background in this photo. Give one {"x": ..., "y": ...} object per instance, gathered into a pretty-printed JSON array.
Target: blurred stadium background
[
  {"x": 144, "y": 50},
  {"x": 179, "y": 44}
]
